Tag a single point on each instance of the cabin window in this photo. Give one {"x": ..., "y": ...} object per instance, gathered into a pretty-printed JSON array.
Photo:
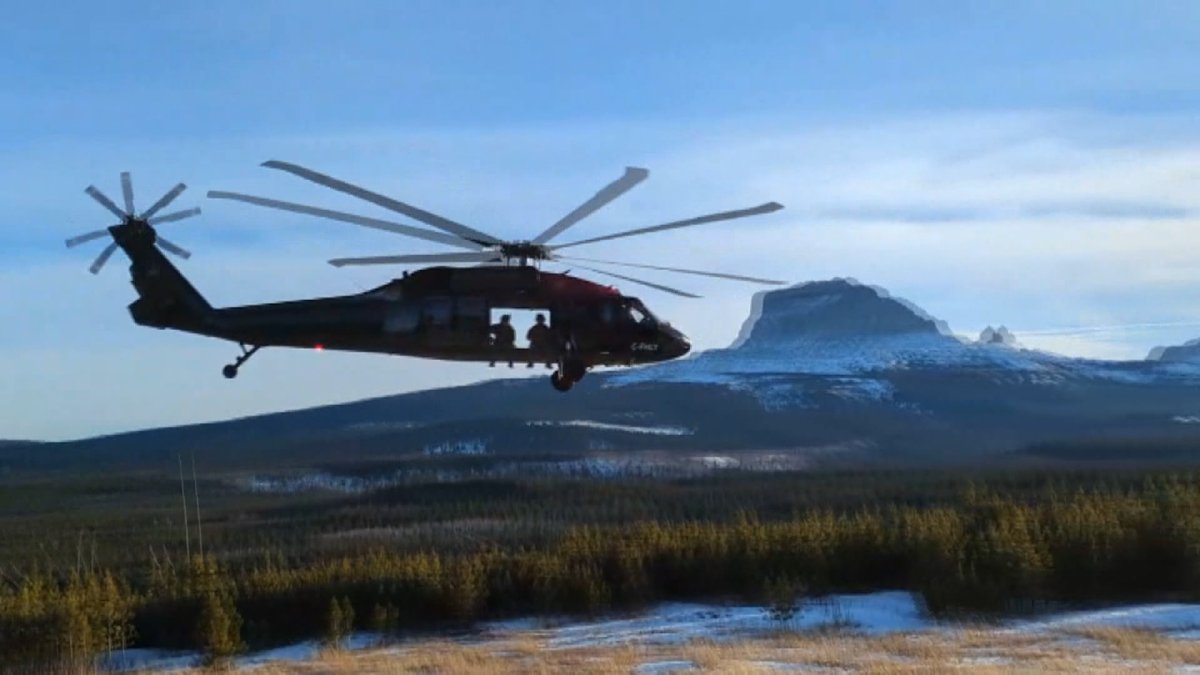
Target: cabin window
[
  {"x": 608, "y": 313},
  {"x": 438, "y": 311},
  {"x": 402, "y": 319},
  {"x": 472, "y": 308}
]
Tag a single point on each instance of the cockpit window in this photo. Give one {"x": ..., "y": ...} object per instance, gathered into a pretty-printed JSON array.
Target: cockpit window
[{"x": 638, "y": 312}]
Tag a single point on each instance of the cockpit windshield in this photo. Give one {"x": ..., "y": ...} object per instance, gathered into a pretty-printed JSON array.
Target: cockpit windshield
[{"x": 638, "y": 313}]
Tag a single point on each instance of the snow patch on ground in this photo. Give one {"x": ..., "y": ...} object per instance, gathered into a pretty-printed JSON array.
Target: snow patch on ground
[
  {"x": 656, "y": 667},
  {"x": 601, "y": 466},
  {"x": 680, "y": 622},
  {"x": 676, "y": 623},
  {"x": 862, "y": 388},
  {"x": 377, "y": 427},
  {"x": 140, "y": 659},
  {"x": 774, "y": 394},
  {"x": 470, "y": 446},
  {"x": 717, "y": 462},
  {"x": 605, "y": 426},
  {"x": 303, "y": 651},
  {"x": 314, "y": 481},
  {"x": 1176, "y": 620}
]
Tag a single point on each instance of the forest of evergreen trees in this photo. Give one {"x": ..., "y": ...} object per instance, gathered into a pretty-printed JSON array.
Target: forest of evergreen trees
[{"x": 968, "y": 543}]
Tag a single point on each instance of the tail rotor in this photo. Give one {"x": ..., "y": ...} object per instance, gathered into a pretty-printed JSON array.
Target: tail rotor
[{"x": 132, "y": 222}]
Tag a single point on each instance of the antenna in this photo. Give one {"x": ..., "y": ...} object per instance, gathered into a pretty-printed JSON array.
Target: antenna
[
  {"x": 196, "y": 491},
  {"x": 183, "y": 494}
]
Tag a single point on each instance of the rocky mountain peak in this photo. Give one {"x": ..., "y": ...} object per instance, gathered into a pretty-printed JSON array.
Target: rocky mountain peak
[
  {"x": 830, "y": 310},
  {"x": 1186, "y": 352}
]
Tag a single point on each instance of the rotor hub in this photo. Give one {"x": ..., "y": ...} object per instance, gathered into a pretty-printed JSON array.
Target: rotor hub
[
  {"x": 134, "y": 227},
  {"x": 524, "y": 250}
]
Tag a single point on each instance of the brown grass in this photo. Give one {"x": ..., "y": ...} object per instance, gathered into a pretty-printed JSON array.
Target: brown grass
[{"x": 975, "y": 650}]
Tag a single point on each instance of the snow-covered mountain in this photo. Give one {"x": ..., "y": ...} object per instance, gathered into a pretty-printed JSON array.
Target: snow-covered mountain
[{"x": 843, "y": 328}]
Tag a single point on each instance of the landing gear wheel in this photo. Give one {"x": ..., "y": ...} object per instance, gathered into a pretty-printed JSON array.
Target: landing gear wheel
[
  {"x": 574, "y": 370},
  {"x": 559, "y": 382},
  {"x": 229, "y": 371}
]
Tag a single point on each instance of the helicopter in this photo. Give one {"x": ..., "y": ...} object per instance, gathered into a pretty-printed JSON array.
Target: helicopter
[{"x": 439, "y": 312}]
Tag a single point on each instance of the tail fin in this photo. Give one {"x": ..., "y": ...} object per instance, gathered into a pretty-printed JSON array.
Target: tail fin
[{"x": 166, "y": 299}]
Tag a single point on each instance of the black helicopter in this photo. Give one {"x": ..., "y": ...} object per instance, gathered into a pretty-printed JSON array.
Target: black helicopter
[{"x": 439, "y": 312}]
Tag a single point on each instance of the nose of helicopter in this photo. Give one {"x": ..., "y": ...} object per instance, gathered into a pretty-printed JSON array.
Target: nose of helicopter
[{"x": 677, "y": 345}]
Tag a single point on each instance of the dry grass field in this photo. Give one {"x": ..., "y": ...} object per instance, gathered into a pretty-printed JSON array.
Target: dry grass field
[{"x": 1100, "y": 649}]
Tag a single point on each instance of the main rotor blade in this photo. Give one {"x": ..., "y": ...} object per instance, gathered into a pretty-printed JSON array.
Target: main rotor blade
[
  {"x": 84, "y": 238},
  {"x": 163, "y": 201},
  {"x": 718, "y": 275},
  {"x": 769, "y": 207},
  {"x": 409, "y": 210},
  {"x": 618, "y": 187},
  {"x": 668, "y": 289},
  {"x": 481, "y": 256},
  {"x": 105, "y": 201},
  {"x": 385, "y": 225},
  {"x": 127, "y": 192},
  {"x": 103, "y": 258},
  {"x": 173, "y": 248},
  {"x": 172, "y": 217}
]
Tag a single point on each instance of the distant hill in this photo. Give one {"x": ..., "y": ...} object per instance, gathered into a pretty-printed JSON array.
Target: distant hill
[
  {"x": 830, "y": 368},
  {"x": 1188, "y": 352}
]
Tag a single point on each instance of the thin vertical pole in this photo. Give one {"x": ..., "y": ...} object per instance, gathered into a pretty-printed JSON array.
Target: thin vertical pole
[
  {"x": 187, "y": 542},
  {"x": 196, "y": 490}
]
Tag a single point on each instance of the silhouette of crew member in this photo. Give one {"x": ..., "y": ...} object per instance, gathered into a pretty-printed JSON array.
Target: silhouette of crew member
[
  {"x": 503, "y": 335},
  {"x": 539, "y": 337}
]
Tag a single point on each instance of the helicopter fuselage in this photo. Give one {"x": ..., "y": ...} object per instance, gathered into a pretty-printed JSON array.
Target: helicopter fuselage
[
  {"x": 438, "y": 312},
  {"x": 448, "y": 313}
]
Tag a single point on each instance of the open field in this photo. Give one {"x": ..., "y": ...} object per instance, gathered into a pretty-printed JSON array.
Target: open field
[{"x": 1113, "y": 651}]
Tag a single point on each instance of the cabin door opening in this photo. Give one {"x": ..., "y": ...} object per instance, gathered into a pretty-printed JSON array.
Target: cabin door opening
[{"x": 521, "y": 320}]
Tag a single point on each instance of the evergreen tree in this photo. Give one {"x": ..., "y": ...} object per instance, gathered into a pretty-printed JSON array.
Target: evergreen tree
[
  {"x": 219, "y": 628},
  {"x": 335, "y": 630},
  {"x": 347, "y": 617}
]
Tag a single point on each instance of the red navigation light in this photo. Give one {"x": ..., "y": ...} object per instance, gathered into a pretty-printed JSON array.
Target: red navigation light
[{"x": 319, "y": 347}]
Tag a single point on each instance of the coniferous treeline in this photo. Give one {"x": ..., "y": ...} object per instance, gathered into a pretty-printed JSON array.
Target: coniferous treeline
[{"x": 966, "y": 544}]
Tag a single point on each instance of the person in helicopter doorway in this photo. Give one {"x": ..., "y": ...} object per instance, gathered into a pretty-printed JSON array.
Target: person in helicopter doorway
[
  {"x": 503, "y": 335},
  {"x": 540, "y": 339}
]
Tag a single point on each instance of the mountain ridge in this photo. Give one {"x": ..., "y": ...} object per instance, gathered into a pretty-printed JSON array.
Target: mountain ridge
[{"x": 823, "y": 364}]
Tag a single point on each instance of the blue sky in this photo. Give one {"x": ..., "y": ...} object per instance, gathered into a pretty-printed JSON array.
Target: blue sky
[{"x": 1027, "y": 163}]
